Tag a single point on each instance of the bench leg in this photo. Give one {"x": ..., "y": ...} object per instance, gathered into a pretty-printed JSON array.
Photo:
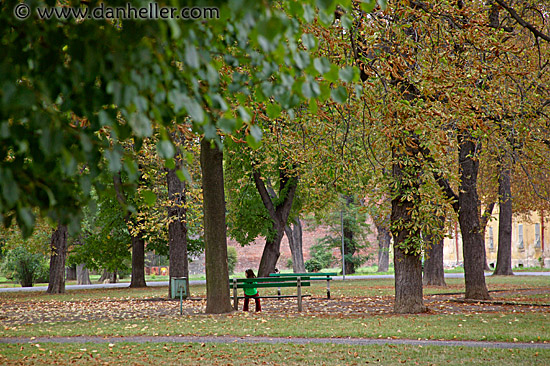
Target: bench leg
[
  {"x": 235, "y": 298},
  {"x": 299, "y": 294},
  {"x": 181, "y": 301},
  {"x": 328, "y": 289}
]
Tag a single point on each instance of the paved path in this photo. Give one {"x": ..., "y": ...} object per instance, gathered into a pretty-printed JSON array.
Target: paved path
[
  {"x": 275, "y": 340},
  {"x": 202, "y": 282}
]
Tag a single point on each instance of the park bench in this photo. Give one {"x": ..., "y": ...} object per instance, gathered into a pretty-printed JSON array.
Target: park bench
[
  {"x": 270, "y": 282},
  {"x": 313, "y": 276}
]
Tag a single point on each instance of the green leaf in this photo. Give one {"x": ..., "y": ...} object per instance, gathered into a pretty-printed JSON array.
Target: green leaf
[
  {"x": 191, "y": 56},
  {"x": 383, "y": 4},
  {"x": 183, "y": 175},
  {"x": 332, "y": 75},
  {"x": 339, "y": 95},
  {"x": 149, "y": 197},
  {"x": 10, "y": 191},
  {"x": 322, "y": 65},
  {"x": 25, "y": 219},
  {"x": 256, "y": 133},
  {"x": 368, "y": 5},
  {"x": 170, "y": 164},
  {"x": 113, "y": 157},
  {"x": 243, "y": 113},
  {"x": 227, "y": 125},
  {"x": 309, "y": 13},
  {"x": 310, "y": 89},
  {"x": 273, "y": 111},
  {"x": 193, "y": 108},
  {"x": 252, "y": 142},
  {"x": 301, "y": 59},
  {"x": 105, "y": 119},
  {"x": 309, "y": 41},
  {"x": 325, "y": 4},
  {"x": 313, "y": 107},
  {"x": 347, "y": 74},
  {"x": 166, "y": 149},
  {"x": 176, "y": 98},
  {"x": 140, "y": 125}
]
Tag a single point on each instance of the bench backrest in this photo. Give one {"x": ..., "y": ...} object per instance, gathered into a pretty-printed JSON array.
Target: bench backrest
[
  {"x": 265, "y": 282},
  {"x": 315, "y": 274}
]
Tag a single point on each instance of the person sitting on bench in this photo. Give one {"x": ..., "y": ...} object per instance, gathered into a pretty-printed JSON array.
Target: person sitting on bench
[{"x": 251, "y": 293}]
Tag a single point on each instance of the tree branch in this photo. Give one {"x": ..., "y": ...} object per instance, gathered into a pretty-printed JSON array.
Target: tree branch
[
  {"x": 522, "y": 22},
  {"x": 120, "y": 195},
  {"x": 264, "y": 195}
]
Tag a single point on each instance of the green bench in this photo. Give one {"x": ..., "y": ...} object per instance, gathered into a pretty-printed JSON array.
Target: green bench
[
  {"x": 314, "y": 276},
  {"x": 270, "y": 282}
]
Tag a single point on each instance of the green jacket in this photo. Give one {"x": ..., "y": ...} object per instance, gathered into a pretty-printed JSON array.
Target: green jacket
[{"x": 251, "y": 291}]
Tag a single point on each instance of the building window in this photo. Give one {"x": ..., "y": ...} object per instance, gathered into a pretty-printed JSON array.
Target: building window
[
  {"x": 491, "y": 243},
  {"x": 537, "y": 235},
  {"x": 520, "y": 236}
]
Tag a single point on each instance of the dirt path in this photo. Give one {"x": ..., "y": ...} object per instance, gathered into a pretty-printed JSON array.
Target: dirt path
[{"x": 273, "y": 340}]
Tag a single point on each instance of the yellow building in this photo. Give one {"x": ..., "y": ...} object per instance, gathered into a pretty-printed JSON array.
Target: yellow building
[{"x": 530, "y": 241}]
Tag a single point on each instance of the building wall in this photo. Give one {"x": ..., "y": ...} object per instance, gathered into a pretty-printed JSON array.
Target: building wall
[{"x": 527, "y": 245}]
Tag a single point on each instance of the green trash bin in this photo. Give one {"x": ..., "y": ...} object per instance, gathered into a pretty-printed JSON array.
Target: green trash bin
[{"x": 178, "y": 287}]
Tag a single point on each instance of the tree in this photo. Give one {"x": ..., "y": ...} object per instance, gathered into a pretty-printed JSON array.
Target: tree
[
  {"x": 58, "y": 257},
  {"x": 136, "y": 237},
  {"x": 130, "y": 79},
  {"x": 217, "y": 279},
  {"x": 255, "y": 207},
  {"x": 504, "y": 254},
  {"x": 24, "y": 259},
  {"x": 294, "y": 236},
  {"x": 383, "y": 235},
  {"x": 105, "y": 239},
  {"x": 22, "y": 265},
  {"x": 434, "y": 274},
  {"x": 177, "y": 229}
]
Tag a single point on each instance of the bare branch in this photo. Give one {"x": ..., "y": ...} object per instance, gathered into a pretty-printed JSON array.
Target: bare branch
[{"x": 522, "y": 22}]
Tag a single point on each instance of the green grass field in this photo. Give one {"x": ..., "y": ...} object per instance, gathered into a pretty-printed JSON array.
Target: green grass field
[{"x": 352, "y": 312}]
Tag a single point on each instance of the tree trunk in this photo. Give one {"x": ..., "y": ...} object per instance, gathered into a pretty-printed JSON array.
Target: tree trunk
[
  {"x": 82, "y": 275},
  {"x": 271, "y": 253},
  {"x": 408, "y": 283},
  {"x": 278, "y": 212},
  {"x": 294, "y": 236},
  {"x": 217, "y": 272},
  {"x": 484, "y": 221},
  {"x": 177, "y": 229},
  {"x": 408, "y": 264},
  {"x": 58, "y": 257},
  {"x": 434, "y": 274},
  {"x": 71, "y": 273},
  {"x": 111, "y": 277},
  {"x": 138, "y": 262},
  {"x": 138, "y": 244},
  {"x": 384, "y": 241},
  {"x": 504, "y": 253},
  {"x": 349, "y": 243},
  {"x": 468, "y": 217}
]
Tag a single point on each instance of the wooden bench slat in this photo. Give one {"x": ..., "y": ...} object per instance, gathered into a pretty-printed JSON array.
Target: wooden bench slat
[
  {"x": 272, "y": 296},
  {"x": 269, "y": 285},
  {"x": 315, "y": 276},
  {"x": 270, "y": 282}
]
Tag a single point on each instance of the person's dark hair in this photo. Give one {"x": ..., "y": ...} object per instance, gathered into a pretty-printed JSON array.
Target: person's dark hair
[{"x": 249, "y": 273}]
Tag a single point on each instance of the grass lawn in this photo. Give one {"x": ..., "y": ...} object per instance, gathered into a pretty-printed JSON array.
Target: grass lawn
[
  {"x": 358, "y": 308},
  {"x": 247, "y": 354}
]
